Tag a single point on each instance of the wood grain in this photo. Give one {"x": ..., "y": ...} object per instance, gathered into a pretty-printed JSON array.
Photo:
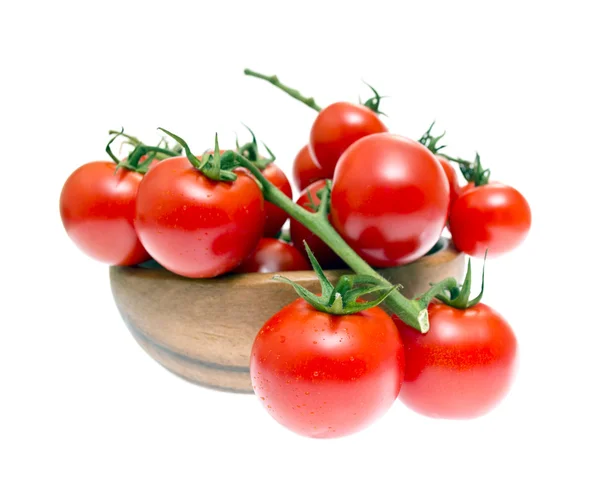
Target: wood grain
[{"x": 203, "y": 330}]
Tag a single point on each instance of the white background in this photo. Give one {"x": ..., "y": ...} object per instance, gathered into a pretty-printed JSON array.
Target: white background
[{"x": 85, "y": 412}]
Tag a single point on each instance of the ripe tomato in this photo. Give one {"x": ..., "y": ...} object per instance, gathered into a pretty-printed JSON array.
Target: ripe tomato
[
  {"x": 298, "y": 232},
  {"x": 495, "y": 217},
  {"x": 271, "y": 256},
  {"x": 462, "y": 367},
  {"x": 275, "y": 216},
  {"x": 327, "y": 376},
  {"x": 452, "y": 176},
  {"x": 194, "y": 226},
  {"x": 97, "y": 208},
  {"x": 389, "y": 199},
  {"x": 305, "y": 171},
  {"x": 336, "y": 128}
]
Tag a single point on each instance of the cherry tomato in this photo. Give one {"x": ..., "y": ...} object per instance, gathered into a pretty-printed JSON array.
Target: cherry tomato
[
  {"x": 389, "y": 199},
  {"x": 462, "y": 367},
  {"x": 336, "y": 128},
  {"x": 327, "y": 376},
  {"x": 271, "y": 256},
  {"x": 327, "y": 258},
  {"x": 452, "y": 176},
  {"x": 305, "y": 171},
  {"x": 495, "y": 217},
  {"x": 275, "y": 217},
  {"x": 194, "y": 226},
  {"x": 97, "y": 208}
]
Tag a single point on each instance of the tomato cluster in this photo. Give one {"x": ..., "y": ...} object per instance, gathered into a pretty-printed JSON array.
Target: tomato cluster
[{"x": 326, "y": 365}]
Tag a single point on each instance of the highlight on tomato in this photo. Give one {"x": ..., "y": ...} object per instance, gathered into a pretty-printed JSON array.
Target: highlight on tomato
[
  {"x": 97, "y": 204},
  {"x": 330, "y": 365},
  {"x": 273, "y": 255},
  {"x": 465, "y": 364},
  {"x": 389, "y": 199},
  {"x": 274, "y": 216},
  {"x": 199, "y": 217}
]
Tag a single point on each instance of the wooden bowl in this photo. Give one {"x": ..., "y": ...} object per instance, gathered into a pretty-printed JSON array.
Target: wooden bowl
[{"x": 203, "y": 329}]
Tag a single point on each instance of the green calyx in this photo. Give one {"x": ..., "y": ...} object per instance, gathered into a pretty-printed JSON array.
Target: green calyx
[
  {"x": 133, "y": 161},
  {"x": 473, "y": 172},
  {"x": 430, "y": 141},
  {"x": 214, "y": 165},
  {"x": 250, "y": 151},
  {"x": 373, "y": 102},
  {"x": 340, "y": 299},
  {"x": 458, "y": 297}
]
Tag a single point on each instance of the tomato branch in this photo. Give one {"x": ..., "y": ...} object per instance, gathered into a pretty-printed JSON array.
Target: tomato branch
[
  {"x": 274, "y": 80},
  {"x": 412, "y": 312}
]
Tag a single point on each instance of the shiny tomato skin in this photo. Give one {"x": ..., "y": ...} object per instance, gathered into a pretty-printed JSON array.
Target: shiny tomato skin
[
  {"x": 305, "y": 171},
  {"x": 336, "y": 128},
  {"x": 194, "y": 226},
  {"x": 494, "y": 217},
  {"x": 97, "y": 208},
  {"x": 451, "y": 174},
  {"x": 327, "y": 376},
  {"x": 271, "y": 256},
  {"x": 327, "y": 258},
  {"x": 389, "y": 199},
  {"x": 462, "y": 367},
  {"x": 275, "y": 217}
]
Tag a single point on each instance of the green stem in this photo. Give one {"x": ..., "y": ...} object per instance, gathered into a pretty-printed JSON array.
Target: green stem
[
  {"x": 274, "y": 80},
  {"x": 412, "y": 312},
  {"x": 142, "y": 150},
  {"x": 457, "y": 160},
  {"x": 134, "y": 141}
]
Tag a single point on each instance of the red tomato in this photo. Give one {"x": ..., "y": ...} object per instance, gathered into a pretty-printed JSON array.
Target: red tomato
[
  {"x": 389, "y": 199},
  {"x": 305, "y": 171},
  {"x": 271, "y": 256},
  {"x": 97, "y": 208},
  {"x": 452, "y": 176},
  {"x": 275, "y": 216},
  {"x": 327, "y": 258},
  {"x": 327, "y": 376},
  {"x": 462, "y": 367},
  {"x": 336, "y": 128},
  {"x": 194, "y": 226},
  {"x": 495, "y": 217}
]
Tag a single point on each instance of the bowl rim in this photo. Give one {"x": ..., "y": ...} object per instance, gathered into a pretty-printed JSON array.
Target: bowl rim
[{"x": 445, "y": 252}]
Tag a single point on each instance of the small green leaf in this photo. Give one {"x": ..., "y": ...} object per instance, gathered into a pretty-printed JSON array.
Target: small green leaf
[
  {"x": 311, "y": 298},
  {"x": 188, "y": 153},
  {"x": 326, "y": 286},
  {"x": 110, "y": 142}
]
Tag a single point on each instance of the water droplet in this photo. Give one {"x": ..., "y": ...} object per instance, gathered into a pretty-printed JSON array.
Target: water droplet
[
  {"x": 316, "y": 373},
  {"x": 351, "y": 357},
  {"x": 281, "y": 339}
]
